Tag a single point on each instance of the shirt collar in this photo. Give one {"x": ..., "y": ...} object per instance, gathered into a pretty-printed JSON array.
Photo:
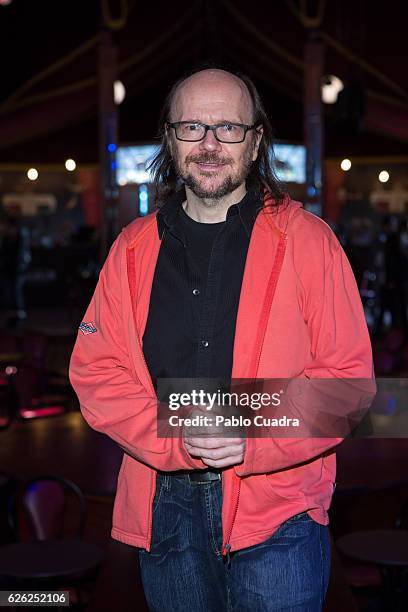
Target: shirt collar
[
  {"x": 247, "y": 209},
  {"x": 167, "y": 214}
]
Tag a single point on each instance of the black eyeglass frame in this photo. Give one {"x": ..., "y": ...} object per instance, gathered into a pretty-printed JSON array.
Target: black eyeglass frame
[{"x": 213, "y": 128}]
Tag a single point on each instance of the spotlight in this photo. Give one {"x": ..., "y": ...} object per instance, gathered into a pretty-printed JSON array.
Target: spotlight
[
  {"x": 70, "y": 165},
  {"x": 345, "y": 165},
  {"x": 119, "y": 92},
  {"x": 331, "y": 87},
  {"x": 384, "y": 176},
  {"x": 32, "y": 174}
]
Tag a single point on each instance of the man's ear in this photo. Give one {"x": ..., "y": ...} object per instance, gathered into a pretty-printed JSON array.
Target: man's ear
[{"x": 257, "y": 141}]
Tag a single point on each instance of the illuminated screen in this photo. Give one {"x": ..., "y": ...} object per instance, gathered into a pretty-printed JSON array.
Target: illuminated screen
[
  {"x": 290, "y": 163},
  {"x": 131, "y": 164}
]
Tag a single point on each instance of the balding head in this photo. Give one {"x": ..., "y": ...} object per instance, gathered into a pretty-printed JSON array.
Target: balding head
[{"x": 212, "y": 96}]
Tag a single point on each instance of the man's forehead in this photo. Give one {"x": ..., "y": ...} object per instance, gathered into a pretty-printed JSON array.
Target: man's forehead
[{"x": 212, "y": 87}]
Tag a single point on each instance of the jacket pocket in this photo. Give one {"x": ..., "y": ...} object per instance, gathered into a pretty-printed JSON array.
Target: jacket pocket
[{"x": 296, "y": 483}]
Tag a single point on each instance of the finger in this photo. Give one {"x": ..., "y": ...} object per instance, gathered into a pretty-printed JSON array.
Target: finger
[
  {"x": 210, "y": 442},
  {"x": 216, "y": 453},
  {"x": 222, "y": 463},
  {"x": 192, "y": 450}
]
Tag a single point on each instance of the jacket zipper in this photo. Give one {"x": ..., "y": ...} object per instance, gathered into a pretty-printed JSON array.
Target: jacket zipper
[
  {"x": 131, "y": 280},
  {"x": 273, "y": 279},
  {"x": 131, "y": 277},
  {"x": 150, "y": 518},
  {"x": 270, "y": 293},
  {"x": 227, "y": 547}
]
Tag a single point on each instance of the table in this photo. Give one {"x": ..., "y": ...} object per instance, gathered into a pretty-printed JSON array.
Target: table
[
  {"x": 62, "y": 445},
  {"x": 388, "y": 549},
  {"x": 48, "y": 559}
]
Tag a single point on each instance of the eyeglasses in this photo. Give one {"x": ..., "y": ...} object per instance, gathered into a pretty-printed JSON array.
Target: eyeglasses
[{"x": 191, "y": 131}]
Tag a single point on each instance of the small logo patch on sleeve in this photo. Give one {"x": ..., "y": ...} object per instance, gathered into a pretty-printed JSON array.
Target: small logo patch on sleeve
[{"x": 87, "y": 328}]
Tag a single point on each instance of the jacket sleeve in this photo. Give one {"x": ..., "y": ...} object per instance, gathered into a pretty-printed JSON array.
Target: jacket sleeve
[
  {"x": 112, "y": 399},
  {"x": 340, "y": 349}
]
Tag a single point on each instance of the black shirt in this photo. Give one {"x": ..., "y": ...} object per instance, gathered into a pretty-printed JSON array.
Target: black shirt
[{"x": 195, "y": 293}]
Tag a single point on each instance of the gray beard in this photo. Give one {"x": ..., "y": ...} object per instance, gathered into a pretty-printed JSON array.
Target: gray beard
[
  {"x": 212, "y": 196},
  {"x": 229, "y": 184}
]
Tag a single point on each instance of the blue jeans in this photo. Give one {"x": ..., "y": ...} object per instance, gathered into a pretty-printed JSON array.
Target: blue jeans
[{"x": 185, "y": 570}]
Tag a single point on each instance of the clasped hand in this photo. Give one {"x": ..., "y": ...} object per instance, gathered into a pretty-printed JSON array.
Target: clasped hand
[{"x": 214, "y": 450}]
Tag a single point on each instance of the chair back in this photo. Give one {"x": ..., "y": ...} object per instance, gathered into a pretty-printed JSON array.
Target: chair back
[{"x": 47, "y": 507}]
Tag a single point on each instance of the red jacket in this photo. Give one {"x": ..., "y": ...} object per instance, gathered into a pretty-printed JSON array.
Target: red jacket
[{"x": 299, "y": 315}]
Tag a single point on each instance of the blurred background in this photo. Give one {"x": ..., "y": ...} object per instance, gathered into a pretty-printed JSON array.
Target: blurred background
[{"x": 82, "y": 85}]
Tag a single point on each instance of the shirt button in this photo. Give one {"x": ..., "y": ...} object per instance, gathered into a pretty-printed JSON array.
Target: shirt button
[
  {"x": 196, "y": 292},
  {"x": 205, "y": 343}
]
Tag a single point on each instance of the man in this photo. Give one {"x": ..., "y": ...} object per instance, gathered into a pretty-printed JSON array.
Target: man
[{"x": 230, "y": 278}]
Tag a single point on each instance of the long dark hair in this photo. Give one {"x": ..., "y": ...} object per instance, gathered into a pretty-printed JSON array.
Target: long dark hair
[{"x": 261, "y": 176}]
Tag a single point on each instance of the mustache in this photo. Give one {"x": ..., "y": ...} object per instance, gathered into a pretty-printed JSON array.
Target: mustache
[{"x": 208, "y": 158}]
